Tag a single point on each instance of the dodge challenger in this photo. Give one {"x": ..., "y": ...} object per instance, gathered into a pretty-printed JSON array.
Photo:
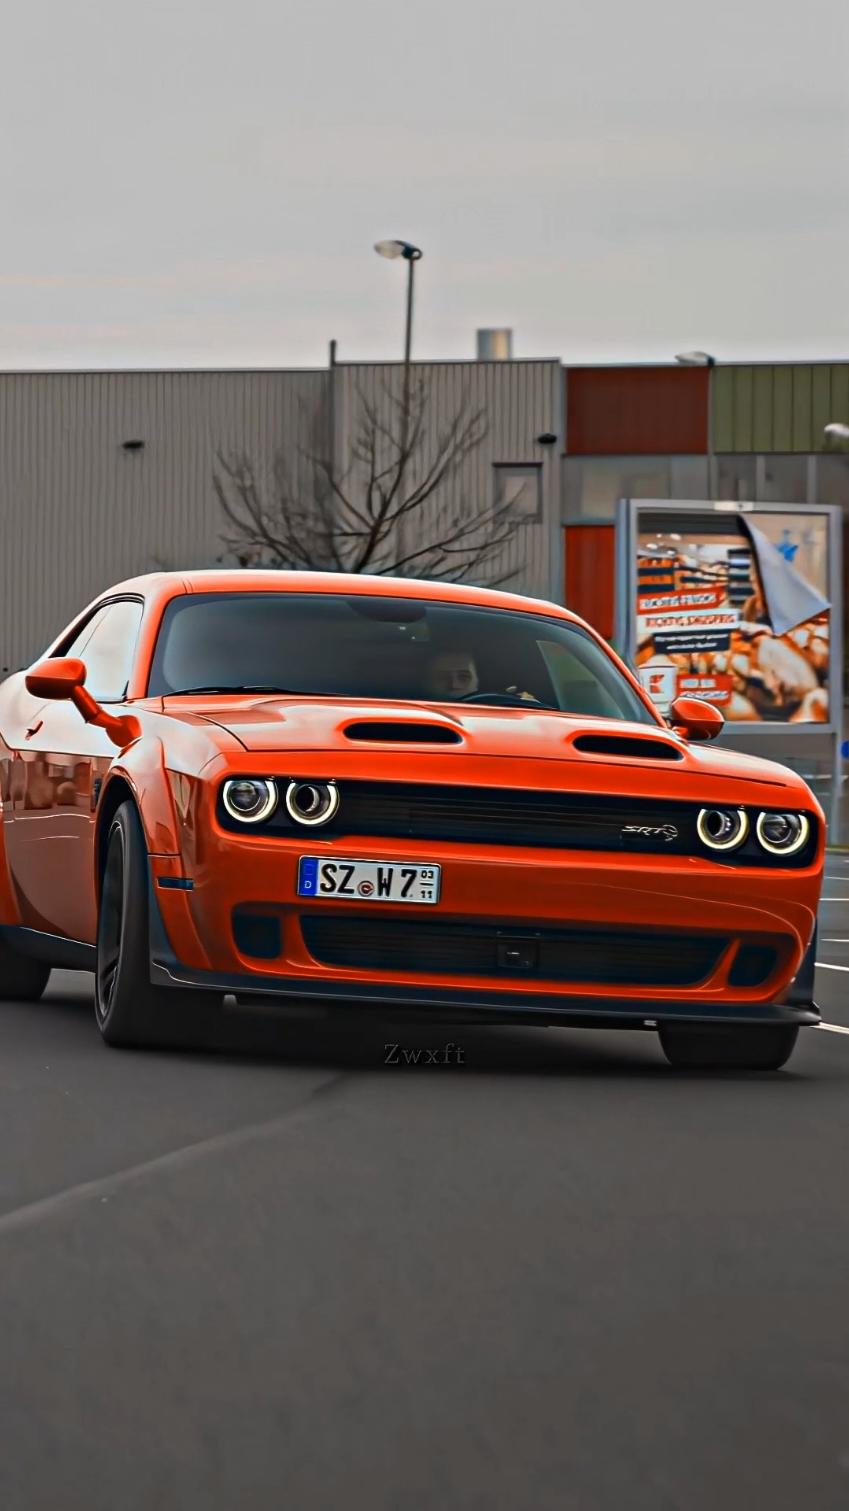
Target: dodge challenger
[{"x": 393, "y": 797}]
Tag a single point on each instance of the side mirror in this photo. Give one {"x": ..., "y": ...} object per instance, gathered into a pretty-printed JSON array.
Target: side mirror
[
  {"x": 57, "y": 677},
  {"x": 695, "y": 719},
  {"x": 64, "y": 677}
]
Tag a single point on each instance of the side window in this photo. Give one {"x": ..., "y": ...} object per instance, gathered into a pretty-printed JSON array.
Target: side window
[
  {"x": 76, "y": 646},
  {"x": 106, "y": 645}
]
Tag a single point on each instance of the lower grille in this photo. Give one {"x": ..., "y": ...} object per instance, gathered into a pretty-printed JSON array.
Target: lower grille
[
  {"x": 257, "y": 934},
  {"x": 446, "y": 948},
  {"x": 753, "y": 965}
]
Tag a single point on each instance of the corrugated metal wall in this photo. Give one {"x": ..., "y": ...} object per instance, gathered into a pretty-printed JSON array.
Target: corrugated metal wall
[
  {"x": 781, "y": 407},
  {"x": 520, "y": 401},
  {"x": 636, "y": 411},
  {"x": 78, "y": 512}
]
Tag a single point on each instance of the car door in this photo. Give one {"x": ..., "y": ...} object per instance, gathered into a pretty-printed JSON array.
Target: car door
[
  {"x": 56, "y": 772},
  {"x": 20, "y": 714}
]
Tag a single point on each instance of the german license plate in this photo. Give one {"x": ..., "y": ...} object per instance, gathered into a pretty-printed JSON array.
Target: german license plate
[{"x": 367, "y": 880}]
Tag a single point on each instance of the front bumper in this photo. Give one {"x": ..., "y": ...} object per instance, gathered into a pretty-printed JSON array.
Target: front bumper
[{"x": 192, "y": 941}]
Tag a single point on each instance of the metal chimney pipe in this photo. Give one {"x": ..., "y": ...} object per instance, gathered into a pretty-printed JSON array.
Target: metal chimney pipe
[{"x": 495, "y": 345}]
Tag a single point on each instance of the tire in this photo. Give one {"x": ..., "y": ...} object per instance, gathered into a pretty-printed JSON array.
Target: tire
[
  {"x": 130, "y": 1010},
  {"x": 22, "y": 977},
  {"x": 696, "y": 1047}
]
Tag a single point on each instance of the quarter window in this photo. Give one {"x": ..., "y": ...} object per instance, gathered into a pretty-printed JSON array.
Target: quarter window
[{"x": 106, "y": 644}]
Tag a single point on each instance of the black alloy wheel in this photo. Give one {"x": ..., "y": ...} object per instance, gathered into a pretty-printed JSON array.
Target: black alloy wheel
[{"x": 130, "y": 1010}]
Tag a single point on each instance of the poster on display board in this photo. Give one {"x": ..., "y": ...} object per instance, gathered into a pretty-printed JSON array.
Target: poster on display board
[{"x": 735, "y": 608}]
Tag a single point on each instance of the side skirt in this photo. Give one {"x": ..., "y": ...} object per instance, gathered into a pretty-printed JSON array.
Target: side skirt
[{"x": 52, "y": 949}]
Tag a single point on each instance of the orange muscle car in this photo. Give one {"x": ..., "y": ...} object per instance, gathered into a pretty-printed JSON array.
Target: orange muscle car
[{"x": 395, "y": 797}]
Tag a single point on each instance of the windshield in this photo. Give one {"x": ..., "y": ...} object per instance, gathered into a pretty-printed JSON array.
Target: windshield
[{"x": 330, "y": 645}]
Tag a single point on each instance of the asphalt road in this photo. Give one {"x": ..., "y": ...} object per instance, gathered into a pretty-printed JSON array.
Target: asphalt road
[{"x": 557, "y": 1274}]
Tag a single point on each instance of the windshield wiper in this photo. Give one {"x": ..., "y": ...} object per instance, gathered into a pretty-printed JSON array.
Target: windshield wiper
[{"x": 240, "y": 687}]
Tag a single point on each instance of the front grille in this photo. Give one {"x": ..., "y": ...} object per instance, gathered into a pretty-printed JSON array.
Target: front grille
[
  {"x": 517, "y": 816},
  {"x": 602, "y": 957},
  {"x": 499, "y": 816}
]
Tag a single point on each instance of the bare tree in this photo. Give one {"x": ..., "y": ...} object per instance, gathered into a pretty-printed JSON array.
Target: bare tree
[{"x": 396, "y": 507}]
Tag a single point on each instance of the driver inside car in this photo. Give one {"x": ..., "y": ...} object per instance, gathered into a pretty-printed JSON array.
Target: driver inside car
[{"x": 453, "y": 675}]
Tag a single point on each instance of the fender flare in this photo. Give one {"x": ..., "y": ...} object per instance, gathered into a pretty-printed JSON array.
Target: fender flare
[{"x": 141, "y": 770}]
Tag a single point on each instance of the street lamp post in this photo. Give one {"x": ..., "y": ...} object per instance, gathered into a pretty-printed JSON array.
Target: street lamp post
[
  {"x": 411, "y": 255},
  {"x": 704, "y": 359}
]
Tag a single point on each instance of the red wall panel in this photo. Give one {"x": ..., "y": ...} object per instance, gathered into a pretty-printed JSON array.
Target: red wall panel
[
  {"x": 590, "y": 580},
  {"x": 637, "y": 411}
]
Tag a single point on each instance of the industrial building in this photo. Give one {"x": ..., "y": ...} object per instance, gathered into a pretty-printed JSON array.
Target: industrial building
[
  {"x": 106, "y": 474},
  {"x": 737, "y": 432}
]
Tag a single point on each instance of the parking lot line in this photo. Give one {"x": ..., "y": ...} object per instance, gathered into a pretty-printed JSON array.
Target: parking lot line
[
  {"x": 833, "y": 1028},
  {"x": 823, "y": 965}
]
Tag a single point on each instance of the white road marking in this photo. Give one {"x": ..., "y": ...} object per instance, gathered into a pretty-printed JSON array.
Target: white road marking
[
  {"x": 823, "y": 965},
  {"x": 104, "y": 1186},
  {"x": 834, "y": 899},
  {"x": 836, "y": 941},
  {"x": 833, "y": 1028}
]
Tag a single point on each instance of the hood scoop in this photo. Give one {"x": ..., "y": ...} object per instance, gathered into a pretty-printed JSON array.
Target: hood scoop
[
  {"x": 628, "y": 747},
  {"x": 402, "y": 732}
]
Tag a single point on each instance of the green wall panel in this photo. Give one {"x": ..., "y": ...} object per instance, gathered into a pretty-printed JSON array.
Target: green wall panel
[
  {"x": 821, "y": 385},
  {"x": 763, "y": 408},
  {"x": 743, "y": 405},
  {"x": 802, "y": 428},
  {"x": 782, "y": 408},
  {"x": 840, "y": 394},
  {"x": 722, "y": 395}
]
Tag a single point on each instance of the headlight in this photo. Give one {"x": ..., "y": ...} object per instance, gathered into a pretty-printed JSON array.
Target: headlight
[
  {"x": 783, "y": 833},
  {"x": 722, "y": 828},
  {"x": 249, "y": 799},
  {"x": 312, "y": 802}
]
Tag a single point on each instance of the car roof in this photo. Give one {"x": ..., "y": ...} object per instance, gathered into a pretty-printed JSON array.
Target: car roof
[{"x": 250, "y": 580}]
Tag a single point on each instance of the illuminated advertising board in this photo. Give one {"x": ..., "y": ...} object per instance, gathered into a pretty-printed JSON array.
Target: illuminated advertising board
[{"x": 734, "y": 609}]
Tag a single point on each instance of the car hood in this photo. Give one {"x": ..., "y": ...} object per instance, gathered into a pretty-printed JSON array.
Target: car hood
[{"x": 291, "y": 724}]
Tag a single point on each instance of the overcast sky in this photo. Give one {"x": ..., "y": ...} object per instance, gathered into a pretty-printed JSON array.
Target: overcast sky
[{"x": 200, "y": 183}]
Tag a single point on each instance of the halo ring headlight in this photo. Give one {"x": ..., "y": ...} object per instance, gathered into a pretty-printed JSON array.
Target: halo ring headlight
[
  {"x": 312, "y": 802},
  {"x": 722, "y": 828},
  {"x": 796, "y": 830},
  {"x": 249, "y": 800}
]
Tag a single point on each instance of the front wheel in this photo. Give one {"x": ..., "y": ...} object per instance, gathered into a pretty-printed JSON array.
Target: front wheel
[
  {"x": 694, "y": 1046},
  {"x": 130, "y": 1010}
]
